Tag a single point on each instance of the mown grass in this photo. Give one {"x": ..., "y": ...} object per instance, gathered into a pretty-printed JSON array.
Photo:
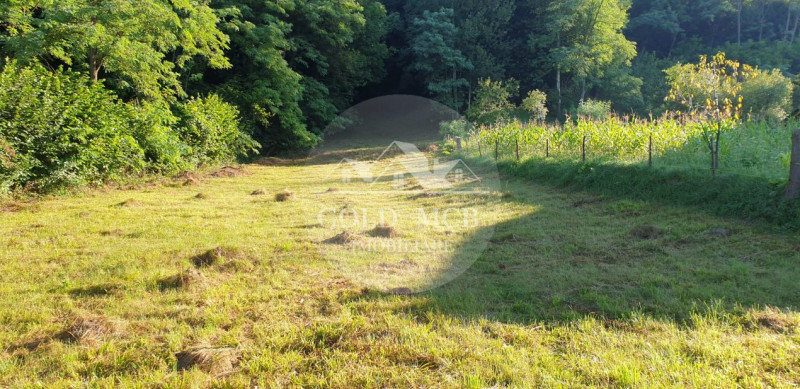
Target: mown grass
[{"x": 161, "y": 287}]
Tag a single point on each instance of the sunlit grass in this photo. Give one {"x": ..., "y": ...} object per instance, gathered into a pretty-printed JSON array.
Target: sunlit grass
[{"x": 106, "y": 288}]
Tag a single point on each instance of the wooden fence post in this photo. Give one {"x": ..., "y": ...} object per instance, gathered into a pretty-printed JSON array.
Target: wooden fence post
[
  {"x": 496, "y": 149},
  {"x": 516, "y": 145},
  {"x": 547, "y": 148},
  {"x": 583, "y": 149},
  {"x": 650, "y": 152},
  {"x": 793, "y": 189},
  {"x": 458, "y": 143}
]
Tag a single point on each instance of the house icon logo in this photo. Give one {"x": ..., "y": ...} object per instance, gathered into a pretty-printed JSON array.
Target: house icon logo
[{"x": 404, "y": 167}]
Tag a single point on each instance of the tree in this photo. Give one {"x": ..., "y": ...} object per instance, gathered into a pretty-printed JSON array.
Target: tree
[
  {"x": 139, "y": 47},
  {"x": 585, "y": 39},
  {"x": 298, "y": 63},
  {"x": 438, "y": 61},
  {"x": 536, "y": 105},
  {"x": 710, "y": 90},
  {"x": 493, "y": 101}
]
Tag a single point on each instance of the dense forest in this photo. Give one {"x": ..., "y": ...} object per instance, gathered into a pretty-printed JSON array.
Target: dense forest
[{"x": 167, "y": 85}]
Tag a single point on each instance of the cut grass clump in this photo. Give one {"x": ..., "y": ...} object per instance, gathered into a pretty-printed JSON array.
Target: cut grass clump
[
  {"x": 345, "y": 237},
  {"x": 285, "y": 195},
  {"x": 258, "y": 192},
  {"x": 202, "y": 196},
  {"x": 181, "y": 280},
  {"x": 215, "y": 256},
  {"x": 384, "y": 231},
  {"x": 230, "y": 172},
  {"x": 91, "y": 329},
  {"x": 215, "y": 361},
  {"x": 130, "y": 203},
  {"x": 647, "y": 232},
  {"x": 11, "y": 207}
]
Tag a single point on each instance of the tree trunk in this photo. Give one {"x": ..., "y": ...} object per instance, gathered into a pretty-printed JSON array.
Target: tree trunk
[
  {"x": 583, "y": 89},
  {"x": 558, "y": 88},
  {"x": 793, "y": 189},
  {"x": 739, "y": 23},
  {"x": 94, "y": 65},
  {"x": 794, "y": 31}
]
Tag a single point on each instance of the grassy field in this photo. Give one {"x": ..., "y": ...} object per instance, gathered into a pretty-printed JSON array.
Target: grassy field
[{"x": 211, "y": 281}]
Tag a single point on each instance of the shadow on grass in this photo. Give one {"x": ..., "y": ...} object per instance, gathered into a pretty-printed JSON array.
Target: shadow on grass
[
  {"x": 616, "y": 256},
  {"x": 743, "y": 197}
]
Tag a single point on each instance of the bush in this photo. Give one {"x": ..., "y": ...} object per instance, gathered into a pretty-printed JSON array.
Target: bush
[
  {"x": 210, "y": 127},
  {"x": 767, "y": 95},
  {"x": 164, "y": 150},
  {"x": 594, "y": 109},
  {"x": 458, "y": 128},
  {"x": 60, "y": 129},
  {"x": 536, "y": 105}
]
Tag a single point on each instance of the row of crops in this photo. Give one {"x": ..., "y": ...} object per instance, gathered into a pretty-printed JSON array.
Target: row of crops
[{"x": 756, "y": 148}]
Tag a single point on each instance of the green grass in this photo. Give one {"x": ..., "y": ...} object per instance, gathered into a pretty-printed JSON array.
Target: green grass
[{"x": 109, "y": 288}]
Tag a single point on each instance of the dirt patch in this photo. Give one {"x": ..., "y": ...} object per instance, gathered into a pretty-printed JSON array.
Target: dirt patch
[
  {"x": 345, "y": 237},
  {"x": 285, "y": 195},
  {"x": 11, "y": 207},
  {"x": 507, "y": 195},
  {"x": 230, "y": 172},
  {"x": 583, "y": 203},
  {"x": 181, "y": 280},
  {"x": 214, "y": 361},
  {"x": 777, "y": 321},
  {"x": 259, "y": 192},
  {"x": 214, "y": 256},
  {"x": 332, "y": 190},
  {"x": 647, "y": 232},
  {"x": 202, "y": 196},
  {"x": 384, "y": 231}
]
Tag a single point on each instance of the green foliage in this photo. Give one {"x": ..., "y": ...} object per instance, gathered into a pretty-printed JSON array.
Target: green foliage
[
  {"x": 210, "y": 127},
  {"x": 62, "y": 130},
  {"x": 493, "y": 101},
  {"x": 298, "y": 63},
  {"x": 594, "y": 109},
  {"x": 437, "y": 59},
  {"x": 139, "y": 47},
  {"x": 756, "y": 148},
  {"x": 459, "y": 128},
  {"x": 711, "y": 88},
  {"x": 536, "y": 105},
  {"x": 767, "y": 95}
]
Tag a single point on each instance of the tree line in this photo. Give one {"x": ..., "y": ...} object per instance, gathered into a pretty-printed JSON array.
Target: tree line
[{"x": 282, "y": 70}]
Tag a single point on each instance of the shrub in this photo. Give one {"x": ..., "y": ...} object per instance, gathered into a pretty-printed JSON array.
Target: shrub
[
  {"x": 60, "y": 129},
  {"x": 594, "y": 109},
  {"x": 164, "y": 151},
  {"x": 459, "y": 128},
  {"x": 536, "y": 105},
  {"x": 210, "y": 127},
  {"x": 767, "y": 95}
]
